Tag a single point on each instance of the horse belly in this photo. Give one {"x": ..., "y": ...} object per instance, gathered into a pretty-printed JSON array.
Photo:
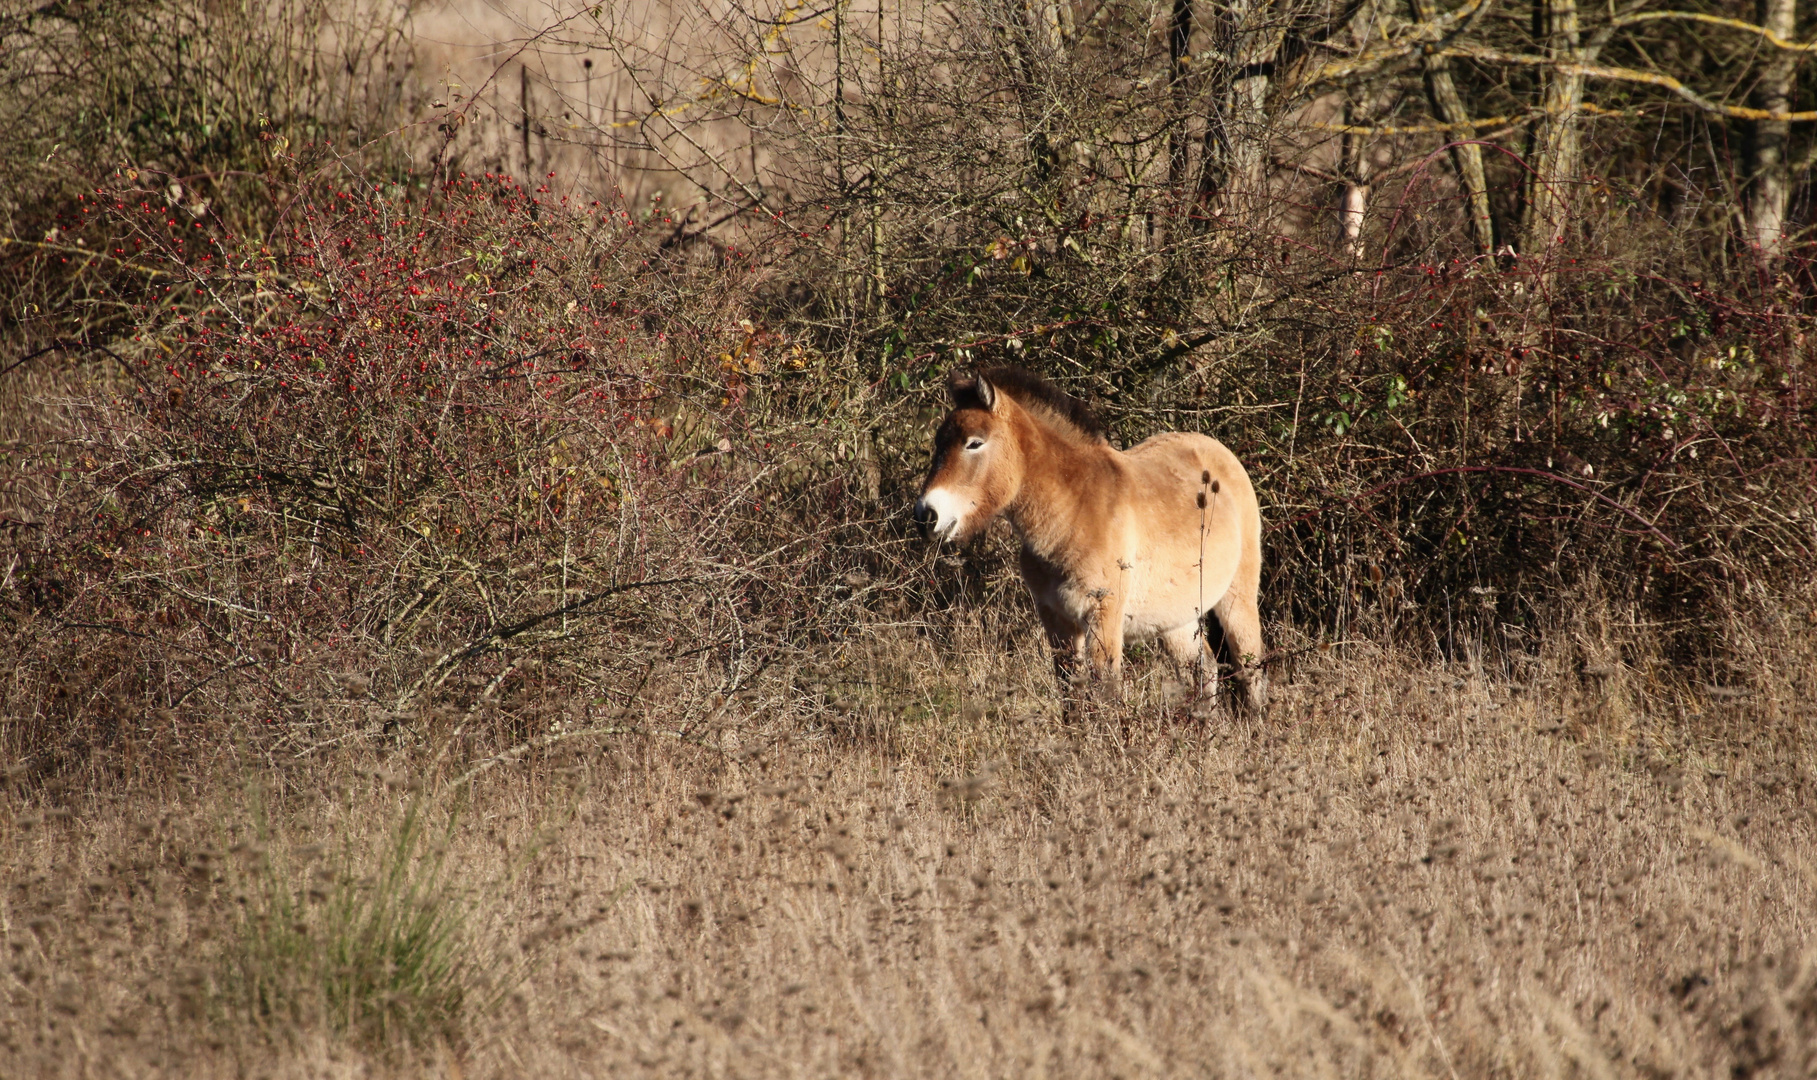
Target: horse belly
[
  {"x": 1167, "y": 599},
  {"x": 1149, "y": 624}
]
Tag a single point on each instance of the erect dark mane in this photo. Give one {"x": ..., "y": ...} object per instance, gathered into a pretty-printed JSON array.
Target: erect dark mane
[{"x": 1031, "y": 389}]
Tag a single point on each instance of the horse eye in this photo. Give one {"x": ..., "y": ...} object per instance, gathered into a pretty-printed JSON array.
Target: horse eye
[{"x": 974, "y": 444}]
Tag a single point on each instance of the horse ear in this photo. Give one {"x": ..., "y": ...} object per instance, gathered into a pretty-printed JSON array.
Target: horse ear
[{"x": 972, "y": 390}]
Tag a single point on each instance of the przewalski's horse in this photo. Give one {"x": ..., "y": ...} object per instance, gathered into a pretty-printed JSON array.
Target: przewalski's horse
[{"x": 1115, "y": 544}]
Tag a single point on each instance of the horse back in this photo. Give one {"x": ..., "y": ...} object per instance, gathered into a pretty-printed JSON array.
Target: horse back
[{"x": 1166, "y": 466}]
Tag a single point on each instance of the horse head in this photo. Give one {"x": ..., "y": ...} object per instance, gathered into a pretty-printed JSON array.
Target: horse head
[{"x": 977, "y": 467}]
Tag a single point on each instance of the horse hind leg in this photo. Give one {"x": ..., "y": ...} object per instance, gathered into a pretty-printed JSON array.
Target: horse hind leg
[
  {"x": 1194, "y": 664},
  {"x": 1242, "y": 624}
]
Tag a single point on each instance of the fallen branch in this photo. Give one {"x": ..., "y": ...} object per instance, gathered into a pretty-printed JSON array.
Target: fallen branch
[
  {"x": 1631, "y": 75},
  {"x": 1768, "y": 35},
  {"x": 77, "y": 346}
]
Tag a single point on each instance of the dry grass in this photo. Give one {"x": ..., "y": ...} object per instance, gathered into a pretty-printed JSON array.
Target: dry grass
[{"x": 1401, "y": 871}]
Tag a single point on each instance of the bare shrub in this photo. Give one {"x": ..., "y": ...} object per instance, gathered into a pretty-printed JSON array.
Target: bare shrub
[
  {"x": 190, "y": 98},
  {"x": 1126, "y": 202},
  {"x": 390, "y": 460}
]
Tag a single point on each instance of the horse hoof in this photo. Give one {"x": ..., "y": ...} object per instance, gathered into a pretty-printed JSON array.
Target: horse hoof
[{"x": 1255, "y": 694}]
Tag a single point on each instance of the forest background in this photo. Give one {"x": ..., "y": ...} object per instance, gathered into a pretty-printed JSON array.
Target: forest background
[{"x": 454, "y": 469}]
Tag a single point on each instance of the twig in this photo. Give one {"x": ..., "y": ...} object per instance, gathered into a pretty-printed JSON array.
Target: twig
[
  {"x": 501, "y": 634},
  {"x": 206, "y": 679},
  {"x": 1511, "y": 469},
  {"x": 75, "y": 346}
]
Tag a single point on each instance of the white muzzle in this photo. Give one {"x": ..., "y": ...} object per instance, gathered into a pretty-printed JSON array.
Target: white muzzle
[{"x": 942, "y": 513}]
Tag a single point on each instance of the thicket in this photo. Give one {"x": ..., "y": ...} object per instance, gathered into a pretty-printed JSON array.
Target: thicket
[{"x": 325, "y": 416}]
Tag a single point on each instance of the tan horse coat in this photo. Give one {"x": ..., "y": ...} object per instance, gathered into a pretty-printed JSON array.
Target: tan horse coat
[{"x": 1115, "y": 544}]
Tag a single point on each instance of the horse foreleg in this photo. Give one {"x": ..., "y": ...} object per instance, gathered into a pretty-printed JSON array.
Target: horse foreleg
[
  {"x": 1067, "y": 640},
  {"x": 1068, "y": 671},
  {"x": 1104, "y": 642}
]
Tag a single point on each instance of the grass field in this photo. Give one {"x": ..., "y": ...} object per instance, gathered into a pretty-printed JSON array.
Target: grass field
[{"x": 1400, "y": 871}]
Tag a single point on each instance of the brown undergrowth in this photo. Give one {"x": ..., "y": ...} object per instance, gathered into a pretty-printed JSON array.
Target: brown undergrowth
[{"x": 898, "y": 859}]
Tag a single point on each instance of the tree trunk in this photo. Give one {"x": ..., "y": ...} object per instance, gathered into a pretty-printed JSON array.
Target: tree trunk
[
  {"x": 1350, "y": 215},
  {"x": 1234, "y": 169},
  {"x": 1177, "y": 207},
  {"x": 1248, "y": 142},
  {"x": 1179, "y": 42},
  {"x": 1053, "y": 26},
  {"x": 1770, "y": 180},
  {"x": 1035, "y": 41},
  {"x": 1354, "y": 204},
  {"x": 1555, "y": 157},
  {"x": 1466, "y": 158}
]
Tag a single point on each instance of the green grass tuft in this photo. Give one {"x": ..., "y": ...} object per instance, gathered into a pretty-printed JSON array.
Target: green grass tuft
[{"x": 375, "y": 946}]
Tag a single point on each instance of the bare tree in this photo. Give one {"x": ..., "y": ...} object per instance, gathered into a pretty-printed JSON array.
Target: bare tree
[
  {"x": 1466, "y": 154},
  {"x": 1554, "y": 150},
  {"x": 1255, "y": 39},
  {"x": 1770, "y": 180},
  {"x": 1195, "y": 126}
]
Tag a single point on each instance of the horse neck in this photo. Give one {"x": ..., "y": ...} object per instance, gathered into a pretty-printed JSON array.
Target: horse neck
[{"x": 1049, "y": 503}]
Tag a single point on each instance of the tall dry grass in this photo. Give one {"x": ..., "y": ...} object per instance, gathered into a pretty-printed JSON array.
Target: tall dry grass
[{"x": 1402, "y": 871}]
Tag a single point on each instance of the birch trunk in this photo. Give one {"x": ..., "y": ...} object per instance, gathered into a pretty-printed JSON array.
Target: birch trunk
[
  {"x": 1234, "y": 169},
  {"x": 1555, "y": 157},
  {"x": 1353, "y": 206},
  {"x": 1351, "y": 210},
  {"x": 1770, "y": 187}
]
